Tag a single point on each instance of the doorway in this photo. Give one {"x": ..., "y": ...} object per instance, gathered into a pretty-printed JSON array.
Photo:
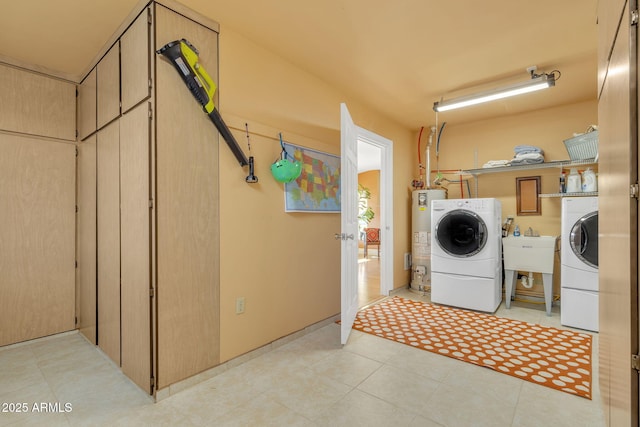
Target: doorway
[
  {"x": 350, "y": 134},
  {"x": 369, "y": 164},
  {"x": 372, "y": 254}
]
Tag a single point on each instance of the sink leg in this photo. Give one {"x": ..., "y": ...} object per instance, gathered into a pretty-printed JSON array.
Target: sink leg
[
  {"x": 510, "y": 289},
  {"x": 547, "y": 281}
]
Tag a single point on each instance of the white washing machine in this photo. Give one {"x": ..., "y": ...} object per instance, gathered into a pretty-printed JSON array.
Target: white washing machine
[
  {"x": 579, "y": 263},
  {"x": 466, "y": 253}
]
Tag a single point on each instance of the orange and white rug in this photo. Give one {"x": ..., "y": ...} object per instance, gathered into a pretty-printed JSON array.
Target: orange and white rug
[{"x": 556, "y": 358}]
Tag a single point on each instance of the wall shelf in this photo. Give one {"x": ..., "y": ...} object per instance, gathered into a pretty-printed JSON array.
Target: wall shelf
[
  {"x": 559, "y": 164},
  {"x": 545, "y": 165},
  {"x": 580, "y": 194}
]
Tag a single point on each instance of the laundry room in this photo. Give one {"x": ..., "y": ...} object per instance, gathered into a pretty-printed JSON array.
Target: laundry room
[
  {"x": 131, "y": 238},
  {"x": 467, "y": 147}
]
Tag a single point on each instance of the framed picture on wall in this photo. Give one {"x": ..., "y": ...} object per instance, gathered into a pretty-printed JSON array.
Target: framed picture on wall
[
  {"x": 527, "y": 196},
  {"x": 317, "y": 189}
]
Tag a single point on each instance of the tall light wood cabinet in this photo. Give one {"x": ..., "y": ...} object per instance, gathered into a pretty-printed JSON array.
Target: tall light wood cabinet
[
  {"x": 618, "y": 212},
  {"x": 114, "y": 245},
  {"x": 157, "y": 205},
  {"x": 37, "y": 205},
  {"x": 37, "y": 208},
  {"x": 187, "y": 211}
]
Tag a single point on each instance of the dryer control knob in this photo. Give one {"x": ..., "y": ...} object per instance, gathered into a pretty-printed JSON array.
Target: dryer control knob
[{"x": 460, "y": 204}]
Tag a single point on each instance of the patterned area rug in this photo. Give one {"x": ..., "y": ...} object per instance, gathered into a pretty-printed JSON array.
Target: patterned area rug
[{"x": 556, "y": 358}]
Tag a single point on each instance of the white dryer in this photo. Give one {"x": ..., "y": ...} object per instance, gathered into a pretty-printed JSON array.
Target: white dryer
[
  {"x": 466, "y": 253},
  {"x": 579, "y": 263}
]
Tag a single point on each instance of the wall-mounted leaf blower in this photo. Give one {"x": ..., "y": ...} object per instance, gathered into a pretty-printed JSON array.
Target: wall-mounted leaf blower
[{"x": 184, "y": 57}]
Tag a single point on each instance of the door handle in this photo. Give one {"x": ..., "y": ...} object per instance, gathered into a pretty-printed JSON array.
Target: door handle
[{"x": 343, "y": 236}]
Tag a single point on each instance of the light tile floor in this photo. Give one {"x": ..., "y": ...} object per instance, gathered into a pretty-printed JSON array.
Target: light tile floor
[{"x": 311, "y": 381}]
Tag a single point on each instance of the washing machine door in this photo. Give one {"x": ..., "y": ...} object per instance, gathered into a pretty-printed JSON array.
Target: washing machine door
[
  {"x": 584, "y": 239},
  {"x": 461, "y": 233}
]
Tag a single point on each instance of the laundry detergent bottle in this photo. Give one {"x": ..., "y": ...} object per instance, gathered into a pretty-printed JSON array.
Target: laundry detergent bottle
[
  {"x": 574, "y": 182},
  {"x": 589, "y": 181}
]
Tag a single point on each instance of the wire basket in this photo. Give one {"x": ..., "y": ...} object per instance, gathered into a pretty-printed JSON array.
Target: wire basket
[{"x": 582, "y": 147}]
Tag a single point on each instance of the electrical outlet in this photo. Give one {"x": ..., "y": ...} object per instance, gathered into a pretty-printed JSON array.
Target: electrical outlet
[
  {"x": 407, "y": 260},
  {"x": 239, "y": 305}
]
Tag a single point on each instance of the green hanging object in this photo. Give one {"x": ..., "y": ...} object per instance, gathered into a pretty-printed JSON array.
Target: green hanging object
[{"x": 284, "y": 170}]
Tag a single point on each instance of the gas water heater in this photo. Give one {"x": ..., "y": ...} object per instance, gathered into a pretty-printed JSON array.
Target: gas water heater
[{"x": 421, "y": 237}]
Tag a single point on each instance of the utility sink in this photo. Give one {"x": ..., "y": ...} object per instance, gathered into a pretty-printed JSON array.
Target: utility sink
[
  {"x": 524, "y": 253},
  {"x": 535, "y": 254}
]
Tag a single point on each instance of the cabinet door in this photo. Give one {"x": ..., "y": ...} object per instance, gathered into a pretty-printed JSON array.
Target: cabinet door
[
  {"x": 86, "y": 239},
  {"x": 610, "y": 14},
  {"x": 135, "y": 229},
  {"x": 187, "y": 214},
  {"x": 135, "y": 62},
  {"x": 87, "y": 106},
  {"x": 108, "y": 86},
  {"x": 37, "y": 232},
  {"x": 617, "y": 231},
  {"x": 108, "y": 216},
  {"x": 35, "y": 104}
]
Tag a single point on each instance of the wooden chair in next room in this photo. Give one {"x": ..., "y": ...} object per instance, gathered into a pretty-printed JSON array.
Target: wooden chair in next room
[{"x": 372, "y": 238}]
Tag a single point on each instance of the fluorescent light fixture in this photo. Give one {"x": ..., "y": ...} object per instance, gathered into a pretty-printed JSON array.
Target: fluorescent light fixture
[{"x": 537, "y": 82}]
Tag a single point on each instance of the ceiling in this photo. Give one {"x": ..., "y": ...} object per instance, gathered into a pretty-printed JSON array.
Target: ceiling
[
  {"x": 397, "y": 57},
  {"x": 369, "y": 157}
]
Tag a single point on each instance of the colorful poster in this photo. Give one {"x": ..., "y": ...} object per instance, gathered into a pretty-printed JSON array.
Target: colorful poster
[{"x": 317, "y": 189}]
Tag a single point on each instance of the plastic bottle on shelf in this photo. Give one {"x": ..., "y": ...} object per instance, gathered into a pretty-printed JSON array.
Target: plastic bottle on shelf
[
  {"x": 589, "y": 182},
  {"x": 563, "y": 183},
  {"x": 506, "y": 226},
  {"x": 516, "y": 231},
  {"x": 574, "y": 182}
]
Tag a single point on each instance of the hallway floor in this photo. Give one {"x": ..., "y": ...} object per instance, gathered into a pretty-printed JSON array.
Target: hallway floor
[
  {"x": 368, "y": 281},
  {"x": 310, "y": 381}
]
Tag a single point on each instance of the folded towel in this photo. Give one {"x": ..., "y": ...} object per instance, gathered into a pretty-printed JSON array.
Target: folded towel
[
  {"x": 527, "y": 161},
  {"x": 496, "y": 163},
  {"x": 528, "y": 156},
  {"x": 522, "y": 149}
]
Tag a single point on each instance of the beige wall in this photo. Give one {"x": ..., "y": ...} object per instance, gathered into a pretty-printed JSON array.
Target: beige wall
[
  {"x": 495, "y": 139},
  {"x": 286, "y": 265}
]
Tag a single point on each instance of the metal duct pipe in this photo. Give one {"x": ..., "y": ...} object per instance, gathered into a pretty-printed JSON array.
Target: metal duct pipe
[{"x": 433, "y": 132}]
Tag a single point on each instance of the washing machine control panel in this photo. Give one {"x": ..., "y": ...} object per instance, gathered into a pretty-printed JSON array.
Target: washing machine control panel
[
  {"x": 476, "y": 205},
  {"x": 472, "y": 204}
]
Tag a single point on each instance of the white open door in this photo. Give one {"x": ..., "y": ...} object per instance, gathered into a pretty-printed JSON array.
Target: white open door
[{"x": 349, "y": 222}]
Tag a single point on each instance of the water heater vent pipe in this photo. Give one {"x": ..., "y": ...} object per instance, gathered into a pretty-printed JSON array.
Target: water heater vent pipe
[{"x": 428, "y": 155}]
